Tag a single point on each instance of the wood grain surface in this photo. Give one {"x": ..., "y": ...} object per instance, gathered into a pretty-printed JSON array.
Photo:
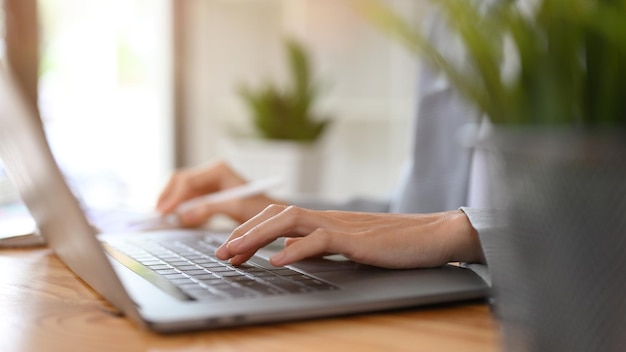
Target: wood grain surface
[{"x": 45, "y": 307}]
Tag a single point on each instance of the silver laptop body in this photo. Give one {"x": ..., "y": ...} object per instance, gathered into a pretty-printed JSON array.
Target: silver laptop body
[{"x": 137, "y": 283}]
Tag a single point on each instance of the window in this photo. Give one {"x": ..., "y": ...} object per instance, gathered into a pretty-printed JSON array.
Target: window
[{"x": 104, "y": 95}]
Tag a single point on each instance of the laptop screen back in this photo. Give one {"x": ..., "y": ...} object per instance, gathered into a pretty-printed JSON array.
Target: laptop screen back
[{"x": 31, "y": 167}]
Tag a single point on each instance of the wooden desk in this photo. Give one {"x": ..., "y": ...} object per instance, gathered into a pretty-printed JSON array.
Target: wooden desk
[{"x": 45, "y": 307}]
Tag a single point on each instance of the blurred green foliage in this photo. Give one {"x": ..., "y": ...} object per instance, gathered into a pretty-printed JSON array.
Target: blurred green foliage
[
  {"x": 287, "y": 114},
  {"x": 569, "y": 55}
]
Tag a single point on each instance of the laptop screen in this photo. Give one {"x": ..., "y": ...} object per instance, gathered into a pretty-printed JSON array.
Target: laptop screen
[{"x": 32, "y": 169}]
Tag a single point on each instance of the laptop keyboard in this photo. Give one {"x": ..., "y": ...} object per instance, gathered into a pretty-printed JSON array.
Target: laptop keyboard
[{"x": 189, "y": 270}]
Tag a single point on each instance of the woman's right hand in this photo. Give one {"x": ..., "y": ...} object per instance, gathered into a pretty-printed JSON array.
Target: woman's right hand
[
  {"x": 190, "y": 183},
  {"x": 386, "y": 240}
]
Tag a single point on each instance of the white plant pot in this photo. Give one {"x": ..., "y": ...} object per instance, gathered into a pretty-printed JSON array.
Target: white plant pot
[{"x": 299, "y": 165}]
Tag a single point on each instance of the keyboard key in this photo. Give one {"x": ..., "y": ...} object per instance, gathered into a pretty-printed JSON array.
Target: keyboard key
[{"x": 192, "y": 266}]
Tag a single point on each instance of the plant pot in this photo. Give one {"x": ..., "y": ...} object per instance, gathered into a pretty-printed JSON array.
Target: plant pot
[
  {"x": 299, "y": 165},
  {"x": 558, "y": 276}
]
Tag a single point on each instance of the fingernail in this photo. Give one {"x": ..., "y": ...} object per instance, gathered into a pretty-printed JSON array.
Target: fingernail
[
  {"x": 219, "y": 251},
  {"x": 235, "y": 243},
  {"x": 278, "y": 259},
  {"x": 162, "y": 206},
  {"x": 188, "y": 217}
]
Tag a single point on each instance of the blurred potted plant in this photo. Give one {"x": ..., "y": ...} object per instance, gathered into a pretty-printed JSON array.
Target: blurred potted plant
[
  {"x": 287, "y": 128},
  {"x": 287, "y": 114},
  {"x": 558, "y": 163}
]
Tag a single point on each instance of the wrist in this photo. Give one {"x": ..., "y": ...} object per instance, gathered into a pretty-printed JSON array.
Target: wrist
[{"x": 464, "y": 239}]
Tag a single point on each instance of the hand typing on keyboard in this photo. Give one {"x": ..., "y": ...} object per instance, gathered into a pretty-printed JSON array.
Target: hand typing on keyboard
[{"x": 380, "y": 239}]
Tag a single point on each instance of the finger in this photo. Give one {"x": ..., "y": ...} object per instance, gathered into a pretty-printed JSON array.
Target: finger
[
  {"x": 290, "y": 222},
  {"x": 224, "y": 251},
  {"x": 166, "y": 200},
  {"x": 319, "y": 242},
  {"x": 214, "y": 177},
  {"x": 165, "y": 193},
  {"x": 241, "y": 258},
  {"x": 183, "y": 185},
  {"x": 194, "y": 217},
  {"x": 291, "y": 240},
  {"x": 191, "y": 183},
  {"x": 200, "y": 214},
  {"x": 266, "y": 214}
]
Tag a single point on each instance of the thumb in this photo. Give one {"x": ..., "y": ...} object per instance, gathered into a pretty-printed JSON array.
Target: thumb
[{"x": 291, "y": 240}]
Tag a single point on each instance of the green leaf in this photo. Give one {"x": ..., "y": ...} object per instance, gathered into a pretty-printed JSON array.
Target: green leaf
[
  {"x": 571, "y": 55},
  {"x": 287, "y": 114}
]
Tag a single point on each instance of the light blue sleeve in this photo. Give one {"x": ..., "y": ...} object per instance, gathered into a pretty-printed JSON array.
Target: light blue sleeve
[
  {"x": 436, "y": 176},
  {"x": 489, "y": 224}
]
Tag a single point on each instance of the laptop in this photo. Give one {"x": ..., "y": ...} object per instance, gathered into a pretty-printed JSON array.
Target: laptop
[{"x": 169, "y": 280}]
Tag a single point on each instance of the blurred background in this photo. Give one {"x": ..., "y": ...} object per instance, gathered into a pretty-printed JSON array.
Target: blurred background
[{"x": 129, "y": 90}]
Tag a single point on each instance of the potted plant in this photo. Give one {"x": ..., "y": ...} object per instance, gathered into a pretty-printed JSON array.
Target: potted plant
[
  {"x": 287, "y": 127},
  {"x": 287, "y": 113},
  {"x": 558, "y": 162}
]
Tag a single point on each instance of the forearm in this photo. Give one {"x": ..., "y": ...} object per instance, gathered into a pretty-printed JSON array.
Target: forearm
[{"x": 462, "y": 237}]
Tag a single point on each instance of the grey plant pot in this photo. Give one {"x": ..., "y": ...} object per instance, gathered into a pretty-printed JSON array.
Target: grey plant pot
[{"x": 560, "y": 280}]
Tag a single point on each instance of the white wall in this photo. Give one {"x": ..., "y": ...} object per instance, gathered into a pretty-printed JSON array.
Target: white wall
[{"x": 371, "y": 81}]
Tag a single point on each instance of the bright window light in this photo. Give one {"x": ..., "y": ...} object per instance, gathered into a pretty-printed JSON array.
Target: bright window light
[{"x": 105, "y": 96}]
